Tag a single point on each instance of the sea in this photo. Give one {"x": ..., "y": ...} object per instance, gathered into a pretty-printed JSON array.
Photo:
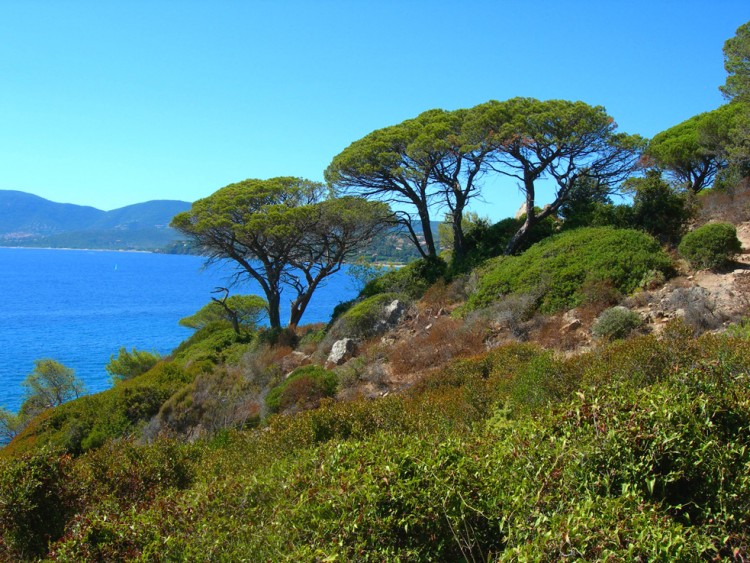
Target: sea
[{"x": 80, "y": 307}]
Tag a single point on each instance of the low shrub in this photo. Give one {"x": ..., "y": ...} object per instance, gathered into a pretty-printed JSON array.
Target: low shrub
[
  {"x": 36, "y": 498},
  {"x": 304, "y": 387},
  {"x": 443, "y": 340},
  {"x": 710, "y": 246},
  {"x": 362, "y": 320},
  {"x": 412, "y": 280},
  {"x": 616, "y": 322},
  {"x": 559, "y": 267}
]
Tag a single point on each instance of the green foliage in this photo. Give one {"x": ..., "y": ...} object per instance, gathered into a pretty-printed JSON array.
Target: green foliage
[
  {"x": 526, "y": 132},
  {"x": 304, "y": 387},
  {"x": 657, "y": 209},
  {"x": 739, "y": 329},
  {"x": 36, "y": 499},
  {"x": 616, "y": 322},
  {"x": 557, "y": 268},
  {"x": 283, "y": 234},
  {"x": 694, "y": 152},
  {"x": 488, "y": 241},
  {"x": 710, "y": 246},
  {"x": 90, "y": 421},
  {"x": 737, "y": 65},
  {"x": 412, "y": 280},
  {"x": 363, "y": 319},
  {"x": 212, "y": 345},
  {"x": 49, "y": 385},
  {"x": 515, "y": 455},
  {"x": 247, "y": 310},
  {"x": 130, "y": 364}
]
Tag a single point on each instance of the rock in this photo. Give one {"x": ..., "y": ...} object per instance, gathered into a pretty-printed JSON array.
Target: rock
[
  {"x": 292, "y": 361},
  {"x": 571, "y": 326},
  {"x": 341, "y": 351},
  {"x": 392, "y": 314}
]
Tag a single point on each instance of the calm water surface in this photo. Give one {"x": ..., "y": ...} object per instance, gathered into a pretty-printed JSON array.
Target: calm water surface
[{"x": 79, "y": 307}]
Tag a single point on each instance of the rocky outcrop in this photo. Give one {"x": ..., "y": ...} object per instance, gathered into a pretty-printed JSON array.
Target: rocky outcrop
[{"x": 341, "y": 351}]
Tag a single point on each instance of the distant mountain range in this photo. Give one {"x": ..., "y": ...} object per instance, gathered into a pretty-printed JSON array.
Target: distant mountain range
[
  {"x": 29, "y": 220},
  {"x": 32, "y": 221}
]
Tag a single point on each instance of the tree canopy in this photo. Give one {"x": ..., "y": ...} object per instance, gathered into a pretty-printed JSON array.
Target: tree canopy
[
  {"x": 240, "y": 310},
  {"x": 127, "y": 365},
  {"x": 563, "y": 141},
  {"x": 283, "y": 234},
  {"x": 416, "y": 165},
  {"x": 49, "y": 385},
  {"x": 694, "y": 152},
  {"x": 737, "y": 65}
]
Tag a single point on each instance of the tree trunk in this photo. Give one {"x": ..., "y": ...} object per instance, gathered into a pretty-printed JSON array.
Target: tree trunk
[
  {"x": 429, "y": 240},
  {"x": 274, "y": 316},
  {"x": 459, "y": 241},
  {"x": 515, "y": 242}
]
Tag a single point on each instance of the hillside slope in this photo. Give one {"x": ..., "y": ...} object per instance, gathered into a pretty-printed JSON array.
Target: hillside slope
[{"x": 29, "y": 220}]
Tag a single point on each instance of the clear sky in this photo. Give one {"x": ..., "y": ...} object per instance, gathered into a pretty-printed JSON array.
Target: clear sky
[{"x": 110, "y": 103}]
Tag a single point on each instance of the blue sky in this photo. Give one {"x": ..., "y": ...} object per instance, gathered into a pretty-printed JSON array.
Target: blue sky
[{"x": 113, "y": 103}]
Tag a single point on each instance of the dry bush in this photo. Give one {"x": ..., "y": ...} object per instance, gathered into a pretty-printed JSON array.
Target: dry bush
[
  {"x": 697, "y": 308},
  {"x": 548, "y": 333},
  {"x": 731, "y": 205},
  {"x": 446, "y": 338},
  {"x": 309, "y": 337},
  {"x": 214, "y": 401},
  {"x": 442, "y": 295}
]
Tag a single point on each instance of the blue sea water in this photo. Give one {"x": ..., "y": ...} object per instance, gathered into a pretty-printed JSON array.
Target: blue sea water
[{"x": 79, "y": 307}]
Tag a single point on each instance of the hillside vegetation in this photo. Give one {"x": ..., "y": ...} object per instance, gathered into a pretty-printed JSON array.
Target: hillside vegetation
[{"x": 569, "y": 384}]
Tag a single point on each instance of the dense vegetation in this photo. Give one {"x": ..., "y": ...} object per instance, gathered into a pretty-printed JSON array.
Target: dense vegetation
[
  {"x": 637, "y": 449},
  {"x": 558, "y": 271},
  {"x": 452, "y": 429}
]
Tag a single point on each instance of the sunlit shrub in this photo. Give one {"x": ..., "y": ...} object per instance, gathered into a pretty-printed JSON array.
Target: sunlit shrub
[
  {"x": 558, "y": 267},
  {"x": 411, "y": 280},
  {"x": 616, "y": 322},
  {"x": 710, "y": 246},
  {"x": 304, "y": 387}
]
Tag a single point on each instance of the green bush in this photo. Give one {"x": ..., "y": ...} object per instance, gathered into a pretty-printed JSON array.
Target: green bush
[
  {"x": 559, "y": 267},
  {"x": 710, "y": 246},
  {"x": 305, "y": 386},
  {"x": 616, "y": 322},
  {"x": 35, "y": 501},
  {"x": 128, "y": 365},
  {"x": 485, "y": 242},
  {"x": 362, "y": 319},
  {"x": 413, "y": 279}
]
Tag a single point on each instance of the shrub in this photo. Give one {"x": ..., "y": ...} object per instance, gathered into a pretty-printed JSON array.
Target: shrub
[
  {"x": 557, "y": 268},
  {"x": 697, "y": 308},
  {"x": 305, "y": 387},
  {"x": 444, "y": 339},
  {"x": 412, "y": 280},
  {"x": 364, "y": 319},
  {"x": 130, "y": 364},
  {"x": 485, "y": 242},
  {"x": 658, "y": 209},
  {"x": 616, "y": 322},
  {"x": 710, "y": 246},
  {"x": 35, "y": 501}
]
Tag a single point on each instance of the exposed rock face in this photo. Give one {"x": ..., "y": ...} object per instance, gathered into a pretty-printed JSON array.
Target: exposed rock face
[
  {"x": 341, "y": 351},
  {"x": 392, "y": 314}
]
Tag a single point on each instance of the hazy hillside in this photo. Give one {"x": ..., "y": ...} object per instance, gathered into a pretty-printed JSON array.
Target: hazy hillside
[
  {"x": 29, "y": 220},
  {"x": 23, "y": 215}
]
